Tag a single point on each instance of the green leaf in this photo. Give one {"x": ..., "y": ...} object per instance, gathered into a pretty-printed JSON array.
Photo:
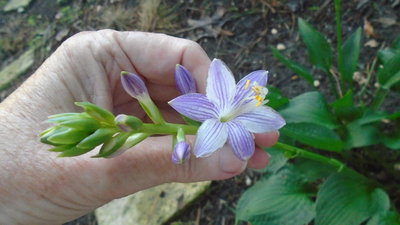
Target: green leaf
[
  {"x": 275, "y": 98},
  {"x": 295, "y": 67},
  {"x": 318, "y": 47},
  {"x": 345, "y": 109},
  {"x": 281, "y": 198},
  {"x": 351, "y": 53},
  {"x": 386, "y": 218},
  {"x": 361, "y": 135},
  {"x": 386, "y": 54},
  {"x": 314, "y": 135},
  {"x": 308, "y": 169},
  {"x": 345, "y": 199},
  {"x": 277, "y": 160},
  {"x": 390, "y": 73},
  {"x": 309, "y": 107},
  {"x": 392, "y": 142}
]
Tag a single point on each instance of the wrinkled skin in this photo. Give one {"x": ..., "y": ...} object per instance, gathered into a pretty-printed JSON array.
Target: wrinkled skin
[{"x": 36, "y": 187}]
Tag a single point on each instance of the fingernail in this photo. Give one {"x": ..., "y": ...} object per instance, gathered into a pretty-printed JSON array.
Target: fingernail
[{"x": 229, "y": 163}]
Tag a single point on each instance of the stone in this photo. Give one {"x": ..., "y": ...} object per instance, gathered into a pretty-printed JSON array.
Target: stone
[
  {"x": 16, "y": 5},
  {"x": 153, "y": 206},
  {"x": 16, "y": 68}
]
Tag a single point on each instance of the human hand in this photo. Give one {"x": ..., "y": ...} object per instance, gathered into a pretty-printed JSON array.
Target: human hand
[{"x": 36, "y": 187}]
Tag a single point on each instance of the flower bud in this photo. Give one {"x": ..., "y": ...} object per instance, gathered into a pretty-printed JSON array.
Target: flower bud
[
  {"x": 97, "y": 138},
  {"x": 181, "y": 152},
  {"x": 184, "y": 80},
  {"x": 112, "y": 145},
  {"x": 67, "y": 136},
  {"x": 136, "y": 88},
  {"x": 96, "y": 112},
  {"x": 134, "y": 85},
  {"x": 74, "y": 151},
  {"x": 128, "y": 123},
  {"x": 129, "y": 143},
  {"x": 88, "y": 124}
]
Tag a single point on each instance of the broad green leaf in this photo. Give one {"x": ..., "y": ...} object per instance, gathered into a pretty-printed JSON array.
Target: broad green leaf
[
  {"x": 349, "y": 200},
  {"x": 388, "y": 75},
  {"x": 277, "y": 160},
  {"x": 281, "y": 198},
  {"x": 309, "y": 107},
  {"x": 295, "y": 67},
  {"x": 344, "y": 107},
  {"x": 314, "y": 135},
  {"x": 275, "y": 98},
  {"x": 386, "y": 54},
  {"x": 318, "y": 47},
  {"x": 361, "y": 135},
  {"x": 386, "y": 218},
  {"x": 351, "y": 53},
  {"x": 392, "y": 142},
  {"x": 371, "y": 117},
  {"x": 308, "y": 169}
]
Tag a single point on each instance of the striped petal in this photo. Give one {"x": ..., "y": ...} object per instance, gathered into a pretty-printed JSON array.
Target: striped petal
[
  {"x": 195, "y": 106},
  {"x": 221, "y": 86},
  {"x": 260, "y": 120},
  {"x": 185, "y": 82},
  {"x": 241, "y": 140},
  {"x": 243, "y": 87},
  {"x": 211, "y": 136}
]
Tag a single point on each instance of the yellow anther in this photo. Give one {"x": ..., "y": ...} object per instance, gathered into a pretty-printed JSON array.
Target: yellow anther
[
  {"x": 247, "y": 84},
  {"x": 258, "y": 104},
  {"x": 259, "y": 98}
]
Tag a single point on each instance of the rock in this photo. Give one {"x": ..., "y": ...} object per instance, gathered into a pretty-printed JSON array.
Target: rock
[
  {"x": 16, "y": 68},
  {"x": 16, "y": 5},
  {"x": 150, "y": 207}
]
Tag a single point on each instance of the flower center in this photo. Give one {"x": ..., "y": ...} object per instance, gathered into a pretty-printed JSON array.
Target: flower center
[{"x": 259, "y": 92}]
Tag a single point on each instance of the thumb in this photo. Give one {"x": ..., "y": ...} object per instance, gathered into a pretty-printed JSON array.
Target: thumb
[{"x": 149, "y": 164}]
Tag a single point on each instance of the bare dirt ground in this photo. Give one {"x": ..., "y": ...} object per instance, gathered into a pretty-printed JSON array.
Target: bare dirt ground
[{"x": 241, "y": 33}]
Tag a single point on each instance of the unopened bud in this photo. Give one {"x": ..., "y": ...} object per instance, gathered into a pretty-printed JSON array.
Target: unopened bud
[
  {"x": 97, "y": 138},
  {"x": 181, "y": 152},
  {"x": 112, "y": 145},
  {"x": 96, "y": 112},
  {"x": 134, "y": 85},
  {"x": 128, "y": 123},
  {"x": 184, "y": 80}
]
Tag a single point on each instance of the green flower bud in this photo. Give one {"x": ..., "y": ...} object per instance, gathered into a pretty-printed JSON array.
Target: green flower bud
[
  {"x": 61, "y": 148},
  {"x": 132, "y": 140},
  {"x": 45, "y": 135},
  {"x": 128, "y": 123},
  {"x": 68, "y": 136},
  {"x": 88, "y": 124},
  {"x": 58, "y": 118},
  {"x": 97, "y": 138},
  {"x": 97, "y": 112},
  {"x": 74, "y": 151},
  {"x": 113, "y": 144}
]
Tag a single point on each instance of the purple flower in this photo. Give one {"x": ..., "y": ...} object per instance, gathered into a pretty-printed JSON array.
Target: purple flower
[
  {"x": 184, "y": 80},
  {"x": 181, "y": 152},
  {"x": 229, "y": 112},
  {"x": 134, "y": 85}
]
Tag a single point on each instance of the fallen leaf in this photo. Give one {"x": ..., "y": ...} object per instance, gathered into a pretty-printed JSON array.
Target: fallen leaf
[
  {"x": 387, "y": 21},
  {"x": 368, "y": 28},
  {"x": 371, "y": 43}
]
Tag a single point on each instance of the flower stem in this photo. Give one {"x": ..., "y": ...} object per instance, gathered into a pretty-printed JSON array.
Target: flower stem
[
  {"x": 167, "y": 128},
  {"x": 298, "y": 152}
]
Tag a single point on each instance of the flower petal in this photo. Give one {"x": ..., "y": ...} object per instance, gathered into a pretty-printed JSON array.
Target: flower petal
[
  {"x": 260, "y": 120},
  {"x": 184, "y": 80},
  {"x": 211, "y": 136},
  {"x": 181, "y": 152},
  {"x": 259, "y": 76},
  {"x": 241, "y": 140},
  {"x": 221, "y": 85},
  {"x": 195, "y": 106}
]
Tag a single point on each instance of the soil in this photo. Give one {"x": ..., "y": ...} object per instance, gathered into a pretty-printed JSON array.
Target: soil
[{"x": 241, "y": 33}]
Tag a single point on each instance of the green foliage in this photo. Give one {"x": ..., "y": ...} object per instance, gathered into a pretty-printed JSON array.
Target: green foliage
[
  {"x": 304, "y": 186},
  {"x": 319, "y": 49},
  {"x": 281, "y": 198}
]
